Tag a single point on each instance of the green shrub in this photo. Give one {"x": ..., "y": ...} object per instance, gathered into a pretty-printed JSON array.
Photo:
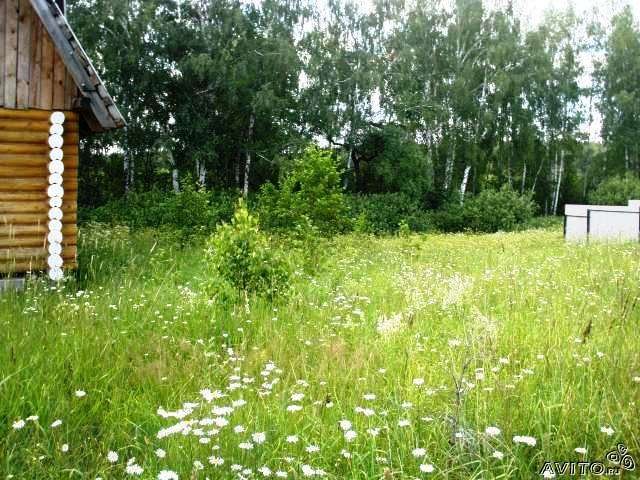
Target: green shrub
[
  {"x": 403, "y": 229},
  {"x": 243, "y": 256},
  {"x": 309, "y": 191},
  {"x": 494, "y": 210},
  {"x": 191, "y": 210},
  {"x": 382, "y": 213},
  {"x": 616, "y": 190},
  {"x": 490, "y": 211}
]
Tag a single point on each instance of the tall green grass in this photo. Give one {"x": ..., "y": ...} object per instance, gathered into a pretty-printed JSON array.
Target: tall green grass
[{"x": 451, "y": 333}]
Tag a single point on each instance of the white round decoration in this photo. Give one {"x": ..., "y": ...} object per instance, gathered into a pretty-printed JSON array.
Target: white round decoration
[
  {"x": 57, "y": 118},
  {"x": 55, "y": 214},
  {"x": 55, "y": 141},
  {"x": 54, "y": 261},
  {"x": 56, "y": 274},
  {"x": 55, "y": 248},
  {"x": 56, "y": 129},
  {"x": 56, "y": 154},
  {"x": 55, "y": 192},
  {"x": 56, "y": 166},
  {"x": 55, "y": 179},
  {"x": 55, "y": 226},
  {"x": 54, "y": 236}
]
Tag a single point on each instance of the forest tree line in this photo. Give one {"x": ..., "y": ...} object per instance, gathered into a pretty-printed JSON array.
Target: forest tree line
[{"x": 430, "y": 99}]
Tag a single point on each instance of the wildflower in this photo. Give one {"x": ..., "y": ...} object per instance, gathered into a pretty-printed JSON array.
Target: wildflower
[
  {"x": 57, "y": 423},
  {"x": 369, "y": 396},
  {"x": 259, "y": 437},
  {"x": 167, "y": 475},
  {"x": 80, "y": 393},
  {"x": 297, "y": 397},
  {"x": 427, "y": 468},
  {"x": 548, "y": 474},
  {"x": 294, "y": 408},
  {"x": 292, "y": 439},
  {"x": 404, "y": 423},
  {"x": 492, "y": 431},
  {"x": 112, "y": 457},
  {"x": 265, "y": 471},
  {"x": 160, "y": 453},
  {"x": 419, "y": 452},
  {"x": 238, "y": 429},
  {"x": 350, "y": 435},
  {"x": 374, "y": 432},
  {"x": 18, "y": 424},
  {"x": 216, "y": 461},
  {"x": 134, "y": 469},
  {"x": 418, "y": 381},
  {"x": 345, "y": 425},
  {"x": 281, "y": 474},
  {"x": 33, "y": 418},
  {"x": 64, "y": 448},
  {"x": 312, "y": 449},
  {"x": 497, "y": 454},
  {"x": 636, "y": 379},
  {"x": 308, "y": 470},
  {"x": 525, "y": 439},
  {"x": 608, "y": 430},
  {"x": 345, "y": 453},
  {"x": 581, "y": 450},
  {"x": 245, "y": 446}
]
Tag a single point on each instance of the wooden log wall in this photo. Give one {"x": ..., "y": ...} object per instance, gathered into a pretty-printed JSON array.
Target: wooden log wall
[
  {"x": 24, "y": 205},
  {"x": 32, "y": 74}
]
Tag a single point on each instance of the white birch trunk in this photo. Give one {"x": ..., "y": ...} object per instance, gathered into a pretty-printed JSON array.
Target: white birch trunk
[
  {"x": 559, "y": 181},
  {"x": 247, "y": 164},
  {"x": 463, "y": 186},
  {"x": 129, "y": 166},
  {"x": 175, "y": 183},
  {"x": 524, "y": 178},
  {"x": 202, "y": 173}
]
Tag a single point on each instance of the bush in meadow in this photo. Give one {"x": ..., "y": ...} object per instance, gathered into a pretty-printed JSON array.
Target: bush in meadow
[
  {"x": 616, "y": 190},
  {"x": 494, "y": 210},
  {"x": 244, "y": 257},
  {"x": 383, "y": 212},
  {"x": 489, "y": 211},
  {"x": 191, "y": 210},
  {"x": 309, "y": 191}
]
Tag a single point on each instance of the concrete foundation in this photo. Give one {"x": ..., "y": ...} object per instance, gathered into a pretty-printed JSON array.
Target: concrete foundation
[{"x": 11, "y": 285}]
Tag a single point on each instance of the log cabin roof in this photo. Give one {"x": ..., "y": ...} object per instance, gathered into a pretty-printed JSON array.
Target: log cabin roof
[{"x": 96, "y": 105}]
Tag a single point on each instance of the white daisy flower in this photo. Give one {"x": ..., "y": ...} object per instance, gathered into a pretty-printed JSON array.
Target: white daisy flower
[
  {"x": 525, "y": 439},
  {"x": 18, "y": 424},
  {"x": 167, "y": 475},
  {"x": 419, "y": 452}
]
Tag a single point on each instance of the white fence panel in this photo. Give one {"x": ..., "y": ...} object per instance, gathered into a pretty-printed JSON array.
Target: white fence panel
[
  {"x": 614, "y": 225},
  {"x": 575, "y": 228}
]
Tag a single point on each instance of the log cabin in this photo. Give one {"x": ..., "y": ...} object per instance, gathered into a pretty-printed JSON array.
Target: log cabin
[{"x": 50, "y": 94}]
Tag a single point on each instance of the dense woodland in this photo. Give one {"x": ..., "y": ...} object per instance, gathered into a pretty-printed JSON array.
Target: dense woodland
[{"x": 428, "y": 99}]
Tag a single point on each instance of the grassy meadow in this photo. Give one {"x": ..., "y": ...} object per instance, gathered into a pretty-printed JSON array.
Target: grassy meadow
[{"x": 400, "y": 357}]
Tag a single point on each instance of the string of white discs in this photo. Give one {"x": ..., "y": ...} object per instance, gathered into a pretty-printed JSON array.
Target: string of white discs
[{"x": 55, "y": 193}]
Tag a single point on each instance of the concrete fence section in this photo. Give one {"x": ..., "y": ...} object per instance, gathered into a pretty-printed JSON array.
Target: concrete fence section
[{"x": 602, "y": 222}]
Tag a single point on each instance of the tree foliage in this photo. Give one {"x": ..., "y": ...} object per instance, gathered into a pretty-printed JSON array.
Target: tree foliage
[{"x": 432, "y": 100}]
